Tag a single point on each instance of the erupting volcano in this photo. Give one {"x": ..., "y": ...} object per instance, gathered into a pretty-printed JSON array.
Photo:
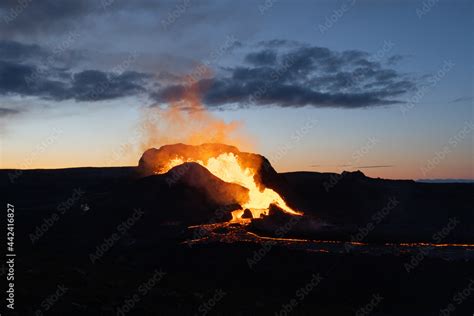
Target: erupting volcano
[{"x": 249, "y": 171}]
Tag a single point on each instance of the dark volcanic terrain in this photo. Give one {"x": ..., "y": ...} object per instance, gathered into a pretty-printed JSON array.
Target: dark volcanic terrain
[{"x": 121, "y": 243}]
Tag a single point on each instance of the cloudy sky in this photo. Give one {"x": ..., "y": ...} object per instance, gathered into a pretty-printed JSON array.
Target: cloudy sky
[{"x": 381, "y": 86}]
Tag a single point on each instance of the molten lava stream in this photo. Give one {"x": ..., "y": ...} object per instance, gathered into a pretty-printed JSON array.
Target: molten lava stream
[{"x": 227, "y": 168}]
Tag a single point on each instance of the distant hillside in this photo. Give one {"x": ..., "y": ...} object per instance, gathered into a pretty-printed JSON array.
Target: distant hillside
[{"x": 347, "y": 201}]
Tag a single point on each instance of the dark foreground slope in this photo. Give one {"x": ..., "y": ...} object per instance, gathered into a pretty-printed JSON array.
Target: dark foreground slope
[
  {"x": 114, "y": 242},
  {"x": 392, "y": 210}
]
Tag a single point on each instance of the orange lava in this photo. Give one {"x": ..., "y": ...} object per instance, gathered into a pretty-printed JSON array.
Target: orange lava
[{"x": 227, "y": 167}]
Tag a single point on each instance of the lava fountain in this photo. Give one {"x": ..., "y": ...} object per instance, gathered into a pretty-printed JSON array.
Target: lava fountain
[
  {"x": 186, "y": 120},
  {"x": 228, "y": 164}
]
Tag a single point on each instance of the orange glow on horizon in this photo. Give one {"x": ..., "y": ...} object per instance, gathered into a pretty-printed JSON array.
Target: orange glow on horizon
[{"x": 57, "y": 158}]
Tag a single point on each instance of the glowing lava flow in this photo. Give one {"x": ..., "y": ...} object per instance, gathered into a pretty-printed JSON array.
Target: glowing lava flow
[{"x": 227, "y": 168}]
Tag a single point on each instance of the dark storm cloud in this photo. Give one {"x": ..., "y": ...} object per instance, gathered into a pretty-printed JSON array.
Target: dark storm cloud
[
  {"x": 265, "y": 57},
  {"x": 301, "y": 76},
  {"x": 7, "y": 112},
  {"x": 33, "y": 18},
  {"x": 30, "y": 16},
  {"x": 46, "y": 17},
  {"x": 88, "y": 85},
  {"x": 221, "y": 92},
  {"x": 13, "y": 81},
  {"x": 31, "y": 70},
  {"x": 278, "y": 43},
  {"x": 395, "y": 59},
  {"x": 11, "y": 50},
  {"x": 12, "y": 76},
  {"x": 287, "y": 75},
  {"x": 94, "y": 85}
]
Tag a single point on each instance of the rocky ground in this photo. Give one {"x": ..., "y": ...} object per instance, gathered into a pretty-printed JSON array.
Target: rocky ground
[{"x": 106, "y": 241}]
